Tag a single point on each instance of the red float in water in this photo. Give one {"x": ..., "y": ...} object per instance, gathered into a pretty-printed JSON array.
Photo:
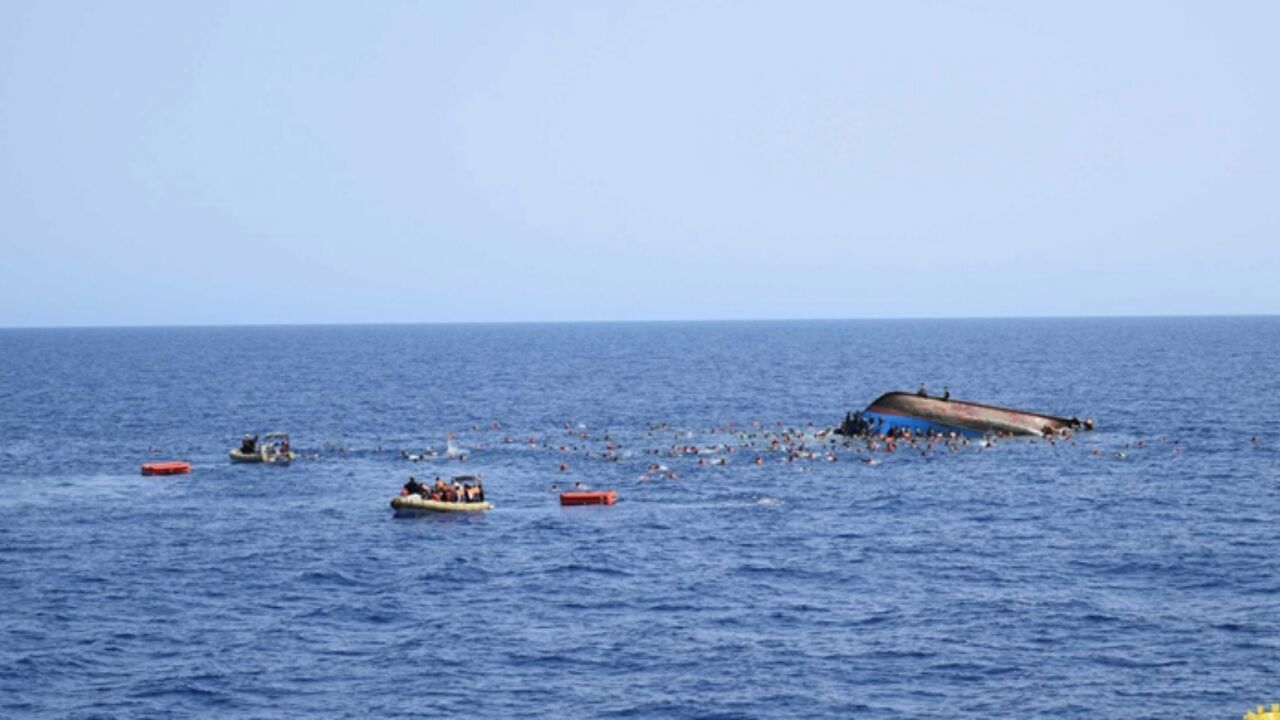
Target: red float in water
[
  {"x": 591, "y": 497},
  {"x": 166, "y": 468}
]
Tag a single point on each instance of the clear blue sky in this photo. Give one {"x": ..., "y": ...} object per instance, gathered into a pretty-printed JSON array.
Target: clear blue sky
[{"x": 202, "y": 162}]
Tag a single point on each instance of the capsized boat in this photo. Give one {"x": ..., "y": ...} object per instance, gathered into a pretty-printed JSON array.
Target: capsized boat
[
  {"x": 272, "y": 448},
  {"x": 417, "y": 503},
  {"x": 921, "y": 413}
]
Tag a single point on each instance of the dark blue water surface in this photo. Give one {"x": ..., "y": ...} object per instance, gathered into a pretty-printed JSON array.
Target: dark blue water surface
[{"x": 1131, "y": 573}]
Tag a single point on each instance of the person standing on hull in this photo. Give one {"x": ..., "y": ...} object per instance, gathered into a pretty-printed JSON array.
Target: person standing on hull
[{"x": 921, "y": 392}]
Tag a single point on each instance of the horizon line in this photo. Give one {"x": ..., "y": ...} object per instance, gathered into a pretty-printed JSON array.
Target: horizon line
[{"x": 655, "y": 321}]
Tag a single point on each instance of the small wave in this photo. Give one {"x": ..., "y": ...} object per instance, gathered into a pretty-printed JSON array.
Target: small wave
[
  {"x": 327, "y": 577},
  {"x": 1099, "y": 618},
  {"x": 576, "y": 568},
  {"x": 584, "y": 606},
  {"x": 1130, "y": 662},
  {"x": 785, "y": 571},
  {"x": 191, "y": 691},
  {"x": 668, "y": 607},
  {"x": 876, "y": 619},
  {"x": 902, "y": 654}
]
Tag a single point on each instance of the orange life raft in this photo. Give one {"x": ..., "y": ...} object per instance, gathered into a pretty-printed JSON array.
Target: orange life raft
[
  {"x": 166, "y": 468},
  {"x": 592, "y": 497}
]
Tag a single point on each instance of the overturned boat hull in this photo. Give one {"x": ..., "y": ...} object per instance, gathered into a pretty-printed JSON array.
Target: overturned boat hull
[{"x": 922, "y": 414}]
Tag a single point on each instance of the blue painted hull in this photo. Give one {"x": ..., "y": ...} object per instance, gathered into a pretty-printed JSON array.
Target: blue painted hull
[{"x": 915, "y": 425}]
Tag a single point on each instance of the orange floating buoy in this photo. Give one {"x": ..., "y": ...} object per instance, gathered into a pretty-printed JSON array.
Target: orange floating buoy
[
  {"x": 590, "y": 497},
  {"x": 175, "y": 467}
]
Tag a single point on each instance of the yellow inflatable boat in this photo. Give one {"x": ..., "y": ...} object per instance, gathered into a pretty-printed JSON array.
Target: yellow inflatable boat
[{"x": 416, "y": 503}]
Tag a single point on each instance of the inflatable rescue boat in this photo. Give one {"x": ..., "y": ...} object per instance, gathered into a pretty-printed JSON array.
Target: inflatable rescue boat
[{"x": 417, "y": 503}]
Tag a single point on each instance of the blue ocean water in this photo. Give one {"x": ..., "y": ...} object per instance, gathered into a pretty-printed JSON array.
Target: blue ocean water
[{"x": 1129, "y": 573}]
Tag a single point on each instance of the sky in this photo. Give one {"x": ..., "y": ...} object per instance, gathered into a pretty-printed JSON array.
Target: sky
[{"x": 198, "y": 163}]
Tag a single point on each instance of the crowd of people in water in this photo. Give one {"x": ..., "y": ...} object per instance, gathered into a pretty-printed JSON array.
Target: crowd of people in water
[
  {"x": 662, "y": 451},
  {"x": 667, "y": 452},
  {"x": 457, "y": 491},
  {"x": 858, "y": 439}
]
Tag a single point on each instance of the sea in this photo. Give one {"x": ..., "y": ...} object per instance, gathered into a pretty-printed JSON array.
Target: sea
[{"x": 1130, "y": 572}]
